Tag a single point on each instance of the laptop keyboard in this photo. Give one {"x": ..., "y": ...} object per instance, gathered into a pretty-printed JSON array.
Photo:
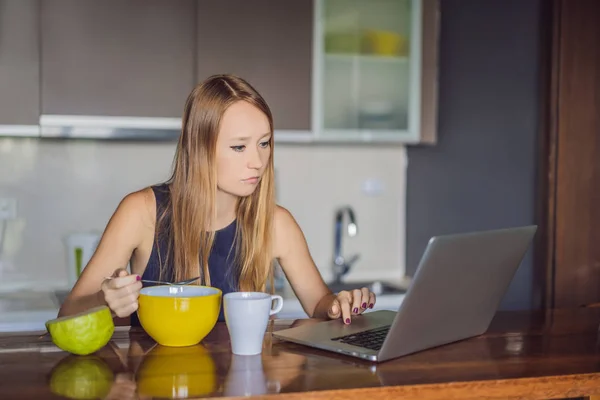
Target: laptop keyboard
[{"x": 372, "y": 339}]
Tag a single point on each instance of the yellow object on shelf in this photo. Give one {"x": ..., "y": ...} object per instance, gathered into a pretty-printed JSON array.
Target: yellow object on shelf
[{"x": 386, "y": 43}]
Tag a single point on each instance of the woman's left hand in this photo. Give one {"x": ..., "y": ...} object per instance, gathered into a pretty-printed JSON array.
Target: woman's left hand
[{"x": 349, "y": 303}]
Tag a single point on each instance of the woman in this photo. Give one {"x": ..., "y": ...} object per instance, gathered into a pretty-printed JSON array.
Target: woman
[{"x": 215, "y": 217}]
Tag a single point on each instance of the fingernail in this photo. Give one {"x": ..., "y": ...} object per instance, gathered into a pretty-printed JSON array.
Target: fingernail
[
  {"x": 355, "y": 310},
  {"x": 364, "y": 305},
  {"x": 347, "y": 320},
  {"x": 371, "y": 305},
  {"x": 138, "y": 278}
]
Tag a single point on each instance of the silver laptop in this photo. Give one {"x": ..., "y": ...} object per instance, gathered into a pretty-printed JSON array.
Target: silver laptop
[{"x": 454, "y": 295}]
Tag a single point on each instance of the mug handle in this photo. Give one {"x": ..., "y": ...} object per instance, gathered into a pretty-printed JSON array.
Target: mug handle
[{"x": 278, "y": 304}]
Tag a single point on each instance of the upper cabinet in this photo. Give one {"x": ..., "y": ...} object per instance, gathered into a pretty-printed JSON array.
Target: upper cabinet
[
  {"x": 331, "y": 70},
  {"x": 115, "y": 58},
  {"x": 268, "y": 43},
  {"x": 19, "y": 68},
  {"x": 375, "y": 70}
]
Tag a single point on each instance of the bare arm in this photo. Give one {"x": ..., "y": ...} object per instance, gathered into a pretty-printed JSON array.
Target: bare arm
[
  {"x": 123, "y": 234},
  {"x": 294, "y": 257}
]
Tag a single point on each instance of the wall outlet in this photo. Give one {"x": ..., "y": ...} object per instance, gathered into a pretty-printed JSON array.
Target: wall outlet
[
  {"x": 8, "y": 208},
  {"x": 373, "y": 187}
]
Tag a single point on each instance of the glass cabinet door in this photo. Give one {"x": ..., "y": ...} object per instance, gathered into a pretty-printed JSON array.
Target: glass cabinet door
[{"x": 367, "y": 66}]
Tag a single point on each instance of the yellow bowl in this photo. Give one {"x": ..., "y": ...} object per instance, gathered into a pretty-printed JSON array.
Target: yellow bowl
[{"x": 179, "y": 316}]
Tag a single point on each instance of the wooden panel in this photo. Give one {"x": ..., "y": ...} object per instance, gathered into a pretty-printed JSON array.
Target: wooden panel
[
  {"x": 19, "y": 62},
  {"x": 272, "y": 50},
  {"x": 543, "y": 266},
  {"x": 577, "y": 208},
  {"x": 117, "y": 58}
]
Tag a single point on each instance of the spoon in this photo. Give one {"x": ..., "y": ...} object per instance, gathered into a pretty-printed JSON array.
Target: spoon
[{"x": 187, "y": 281}]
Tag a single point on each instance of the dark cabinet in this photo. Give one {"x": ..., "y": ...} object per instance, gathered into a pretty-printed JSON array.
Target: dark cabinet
[
  {"x": 266, "y": 42},
  {"x": 131, "y": 58},
  {"x": 19, "y": 67}
]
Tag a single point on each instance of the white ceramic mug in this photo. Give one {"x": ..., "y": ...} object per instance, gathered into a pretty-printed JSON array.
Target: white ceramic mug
[{"x": 247, "y": 315}]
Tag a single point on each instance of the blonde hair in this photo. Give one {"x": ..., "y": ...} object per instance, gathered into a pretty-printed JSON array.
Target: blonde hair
[{"x": 193, "y": 186}]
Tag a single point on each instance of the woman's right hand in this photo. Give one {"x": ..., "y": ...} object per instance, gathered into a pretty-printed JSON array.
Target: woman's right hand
[{"x": 121, "y": 292}]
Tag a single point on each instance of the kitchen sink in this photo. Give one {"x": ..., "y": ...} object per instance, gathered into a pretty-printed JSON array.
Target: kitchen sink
[{"x": 377, "y": 287}]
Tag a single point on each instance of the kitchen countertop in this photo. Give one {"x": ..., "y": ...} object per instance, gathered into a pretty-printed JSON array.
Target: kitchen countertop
[
  {"x": 28, "y": 310},
  {"x": 524, "y": 355}
]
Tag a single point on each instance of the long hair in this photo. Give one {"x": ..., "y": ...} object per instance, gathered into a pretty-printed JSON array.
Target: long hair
[{"x": 191, "y": 210}]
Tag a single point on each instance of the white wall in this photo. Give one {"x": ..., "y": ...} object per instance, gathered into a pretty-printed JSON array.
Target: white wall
[{"x": 67, "y": 186}]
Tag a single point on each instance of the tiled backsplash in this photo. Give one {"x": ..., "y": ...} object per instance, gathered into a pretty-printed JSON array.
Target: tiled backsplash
[{"x": 74, "y": 186}]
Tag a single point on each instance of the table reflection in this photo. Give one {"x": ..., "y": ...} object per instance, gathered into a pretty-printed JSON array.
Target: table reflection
[{"x": 142, "y": 369}]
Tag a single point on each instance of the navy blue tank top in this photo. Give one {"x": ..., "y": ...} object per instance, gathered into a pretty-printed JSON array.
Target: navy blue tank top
[{"x": 220, "y": 262}]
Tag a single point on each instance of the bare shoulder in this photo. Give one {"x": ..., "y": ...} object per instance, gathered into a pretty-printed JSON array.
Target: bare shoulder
[
  {"x": 139, "y": 199},
  {"x": 284, "y": 223},
  {"x": 283, "y": 218},
  {"x": 287, "y": 231},
  {"x": 138, "y": 206}
]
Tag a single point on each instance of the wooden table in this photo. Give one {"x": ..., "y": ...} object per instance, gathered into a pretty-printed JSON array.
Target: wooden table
[{"x": 525, "y": 355}]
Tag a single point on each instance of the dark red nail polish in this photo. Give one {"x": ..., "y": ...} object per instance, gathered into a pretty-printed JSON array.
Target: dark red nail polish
[
  {"x": 347, "y": 320},
  {"x": 371, "y": 305},
  {"x": 138, "y": 278},
  {"x": 355, "y": 310},
  {"x": 364, "y": 305}
]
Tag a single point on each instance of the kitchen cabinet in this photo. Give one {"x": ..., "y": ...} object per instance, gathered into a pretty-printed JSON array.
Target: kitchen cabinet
[
  {"x": 331, "y": 70},
  {"x": 130, "y": 62},
  {"x": 268, "y": 43},
  {"x": 19, "y": 68},
  {"x": 374, "y": 75}
]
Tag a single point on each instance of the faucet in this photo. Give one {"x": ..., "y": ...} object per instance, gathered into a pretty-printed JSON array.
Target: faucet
[{"x": 341, "y": 266}]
